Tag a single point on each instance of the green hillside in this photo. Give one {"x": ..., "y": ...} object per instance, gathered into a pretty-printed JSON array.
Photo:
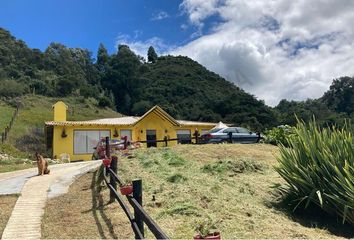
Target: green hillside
[
  {"x": 123, "y": 80},
  {"x": 27, "y": 133},
  {"x": 6, "y": 112},
  {"x": 130, "y": 84}
]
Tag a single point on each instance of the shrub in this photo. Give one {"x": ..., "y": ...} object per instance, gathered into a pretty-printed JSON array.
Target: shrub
[
  {"x": 279, "y": 135},
  {"x": 104, "y": 102},
  {"x": 319, "y": 169},
  {"x": 11, "y": 88}
]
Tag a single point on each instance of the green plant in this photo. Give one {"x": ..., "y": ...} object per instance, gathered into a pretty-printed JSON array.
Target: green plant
[
  {"x": 173, "y": 159},
  {"x": 176, "y": 178},
  {"x": 100, "y": 178},
  {"x": 279, "y": 135},
  {"x": 206, "y": 227},
  {"x": 239, "y": 166},
  {"x": 181, "y": 209},
  {"x": 319, "y": 168}
]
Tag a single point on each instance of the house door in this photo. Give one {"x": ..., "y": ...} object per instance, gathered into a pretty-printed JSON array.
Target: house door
[{"x": 151, "y": 136}]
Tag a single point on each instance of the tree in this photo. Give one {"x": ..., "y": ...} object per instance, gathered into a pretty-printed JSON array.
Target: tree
[
  {"x": 102, "y": 58},
  {"x": 340, "y": 96},
  {"x": 152, "y": 56},
  {"x": 122, "y": 78}
]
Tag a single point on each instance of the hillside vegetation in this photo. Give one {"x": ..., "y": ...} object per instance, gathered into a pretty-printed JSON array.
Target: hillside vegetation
[
  {"x": 27, "y": 133},
  {"x": 132, "y": 85}
]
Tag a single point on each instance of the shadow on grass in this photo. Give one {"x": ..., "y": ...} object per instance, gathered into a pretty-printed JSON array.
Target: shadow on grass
[
  {"x": 312, "y": 216},
  {"x": 98, "y": 210}
]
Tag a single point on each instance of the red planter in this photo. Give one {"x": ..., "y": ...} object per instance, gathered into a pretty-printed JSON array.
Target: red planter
[
  {"x": 106, "y": 162},
  {"x": 126, "y": 190},
  {"x": 214, "y": 236}
]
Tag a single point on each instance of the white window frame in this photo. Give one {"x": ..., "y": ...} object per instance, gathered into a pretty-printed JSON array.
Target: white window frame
[
  {"x": 182, "y": 140},
  {"x": 87, "y": 147},
  {"x": 126, "y": 130}
]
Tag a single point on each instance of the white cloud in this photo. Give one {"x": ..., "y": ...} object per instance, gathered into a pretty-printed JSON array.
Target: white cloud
[
  {"x": 141, "y": 47},
  {"x": 159, "y": 16},
  {"x": 275, "y": 49}
]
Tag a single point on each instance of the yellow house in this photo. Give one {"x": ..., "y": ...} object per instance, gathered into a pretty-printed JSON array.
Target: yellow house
[{"x": 78, "y": 138}]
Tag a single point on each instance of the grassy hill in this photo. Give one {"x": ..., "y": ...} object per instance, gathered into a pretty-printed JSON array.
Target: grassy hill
[
  {"x": 27, "y": 133},
  {"x": 6, "y": 114},
  {"x": 231, "y": 183}
]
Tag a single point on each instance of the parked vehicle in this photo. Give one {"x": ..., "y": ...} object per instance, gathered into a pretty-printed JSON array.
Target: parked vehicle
[{"x": 235, "y": 134}]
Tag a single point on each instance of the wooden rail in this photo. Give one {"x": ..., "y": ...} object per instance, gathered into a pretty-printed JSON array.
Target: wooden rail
[{"x": 140, "y": 216}]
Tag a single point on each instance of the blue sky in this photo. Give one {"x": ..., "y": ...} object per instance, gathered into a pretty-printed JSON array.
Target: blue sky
[{"x": 86, "y": 23}]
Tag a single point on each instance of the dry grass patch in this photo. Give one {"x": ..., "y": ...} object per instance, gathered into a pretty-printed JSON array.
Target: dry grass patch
[
  {"x": 231, "y": 183},
  {"x": 7, "y": 203},
  {"x": 83, "y": 213}
]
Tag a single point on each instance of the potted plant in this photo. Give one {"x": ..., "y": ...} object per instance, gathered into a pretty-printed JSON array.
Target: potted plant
[
  {"x": 207, "y": 230},
  {"x": 106, "y": 162},
  {"x": 63, "y": 133},
  {"x": 126, "y": 189}
]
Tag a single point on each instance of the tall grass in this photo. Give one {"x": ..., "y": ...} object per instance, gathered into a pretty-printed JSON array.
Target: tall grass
[{"x": 318, "y": 167}]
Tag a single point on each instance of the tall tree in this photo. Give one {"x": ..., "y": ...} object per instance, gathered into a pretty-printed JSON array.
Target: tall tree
[
  {"x": 122, "y": 77},
  {"x": 102, "y": 58},
  {"x": 340, "y": 96},
  {"x": 152, "y": 56}
]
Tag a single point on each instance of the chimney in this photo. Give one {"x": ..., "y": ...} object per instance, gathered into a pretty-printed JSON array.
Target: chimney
[{"x": 59, "y": 109}]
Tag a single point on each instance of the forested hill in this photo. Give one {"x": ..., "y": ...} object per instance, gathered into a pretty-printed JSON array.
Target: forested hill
[
  {"x": 131, "y": 85},
  {"x": 127, "y": 82}
]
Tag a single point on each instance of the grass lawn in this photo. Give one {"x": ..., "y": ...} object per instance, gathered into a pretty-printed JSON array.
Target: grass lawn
[
  {"x": 7, "y": 203},
  {"x": 83, "y": 213},
  {"x": 232, "y": 184},
  {"x": 12, "y": 164},
  {"x": 14, "y": 167}
]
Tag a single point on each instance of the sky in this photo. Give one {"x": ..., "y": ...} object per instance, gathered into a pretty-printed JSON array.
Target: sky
[{"x": 273, "y": 49}]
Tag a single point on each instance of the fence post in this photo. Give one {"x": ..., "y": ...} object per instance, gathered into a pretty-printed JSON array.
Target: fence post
[
  {"x": 112, "y": 179},
  {"x": 196, "y": 134},
  {"x": 230, "y": 137},
  {"x": 125, "y": 142},
  {"x": 5, "y": 134},
  {"x": 138, "y": 196},
  {"x": 165, "y": 139}
]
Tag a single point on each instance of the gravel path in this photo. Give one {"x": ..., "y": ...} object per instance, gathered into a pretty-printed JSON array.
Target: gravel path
[{"x": 25, "y": 220}]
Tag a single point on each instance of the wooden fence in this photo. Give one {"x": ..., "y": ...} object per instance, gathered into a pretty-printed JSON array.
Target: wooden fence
[
  {"x": 197, "y": 138},
  {"x": 5, "y": 133},
  {"x": 140, "y": 216}
]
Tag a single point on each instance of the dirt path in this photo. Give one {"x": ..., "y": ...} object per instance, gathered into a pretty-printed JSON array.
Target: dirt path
[{"x": 25, "y": 220}]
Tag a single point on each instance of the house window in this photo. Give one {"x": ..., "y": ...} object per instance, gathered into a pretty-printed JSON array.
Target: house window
[
  {"x": 126, "y": 132},
  {"x": 184, "y": 136},
  {"x": 86, "y": 140}
]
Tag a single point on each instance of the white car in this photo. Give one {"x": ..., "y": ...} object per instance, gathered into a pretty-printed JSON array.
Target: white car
[{"x": 231, "y": 135}]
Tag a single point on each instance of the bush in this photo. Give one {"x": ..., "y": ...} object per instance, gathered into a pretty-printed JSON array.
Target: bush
[
  {"x": 105, "y": 102},
  {"x": 319, "y": 169},
  {"x": 89, "y": 91},
  {"x": 11, "y": 88},
  {"x": 279, "y": 135}
]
